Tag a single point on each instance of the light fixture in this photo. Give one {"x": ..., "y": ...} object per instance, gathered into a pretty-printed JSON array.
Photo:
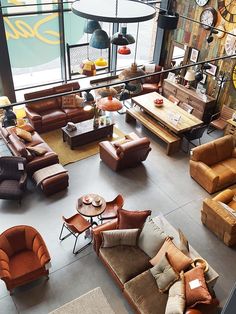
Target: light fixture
[
  {"x": 20, "y": 114},
  {"x": 91, "y": 26},
  {"x": 133, "y": 72},
  {"x": 122, "y": 38},
  {"x": 101, "y": 62},
  {"x": 210, "y": 36},
  {"x": 124, "y": 50},
  {"x": 168, "y": 20},
  {"x": 107, "y": 91},
  {"x": 88, "y": 68},
  {"x": 189, "y": 77},
  {"x": 99, "y": 39},
  {"x": 109, "y": 104}
]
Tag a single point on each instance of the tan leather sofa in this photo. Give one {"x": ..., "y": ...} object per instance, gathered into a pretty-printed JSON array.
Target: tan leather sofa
[
  {"x": 129, "y": 154},
  {"x": 48, "y": 114},
  {"x": 131, "y": 273},
  {"x": 213, "y": 165},
  {"x": 18, "y": 148},
  {"x": 216, "y": 217}
]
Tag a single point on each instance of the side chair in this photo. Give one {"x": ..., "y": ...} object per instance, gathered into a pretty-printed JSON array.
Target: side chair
[
  {"x": 186, "y": 107},
  {"x": 219, "y": 119},
  {"x": 173, "y": 99},
  {"x": 194, "y": 134},
  {"x": 112, "y": 208},
  {"x": 76, "y": 225}
]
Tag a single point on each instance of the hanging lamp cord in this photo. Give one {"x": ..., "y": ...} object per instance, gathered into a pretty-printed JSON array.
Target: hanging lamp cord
[
  {"x": 136, "y": 44},
  {"x": 87, "y": 42},
  {"x": 116, "y": 8}
]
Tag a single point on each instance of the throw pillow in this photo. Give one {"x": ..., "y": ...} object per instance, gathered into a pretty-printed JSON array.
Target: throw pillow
[
  {"x": 120, "y": 237},
  {"x": 37, "y": 151},
  {"x": 128, "y": 219},
  {"x": 151, "y": 232},
  {"x": 176, "y": 297},
  {"x": 164, "y": 274},
  {"x": 27, "y": 127},
  {"x": 177, "y": 259},
  {"x": 25, "y": 135},
  {"x": 71, "y": 101},
  {"x": 196, "y": 290},
  {"x": 230, "y": 210},
  {"x": 183, "y": 245}
]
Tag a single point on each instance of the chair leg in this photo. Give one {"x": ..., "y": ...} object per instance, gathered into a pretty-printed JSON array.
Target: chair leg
[
  {"x": 210, "y": 129},
  {"x": 66, "y": 236},
  {"x": 81, "y": 249}
]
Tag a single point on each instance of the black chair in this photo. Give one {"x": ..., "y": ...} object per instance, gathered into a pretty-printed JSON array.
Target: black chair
[
  {"x": 194, "y": 134},
  {"x": 13, "y": 177}
]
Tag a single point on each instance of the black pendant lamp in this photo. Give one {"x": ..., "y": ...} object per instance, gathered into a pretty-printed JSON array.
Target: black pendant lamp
[
  {"x": 168, "y": 20},
  {"x": 122, "y": 38}
]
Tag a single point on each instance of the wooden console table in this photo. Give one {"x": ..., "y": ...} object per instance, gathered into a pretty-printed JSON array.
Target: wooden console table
[{"x": 203, "y": 105}]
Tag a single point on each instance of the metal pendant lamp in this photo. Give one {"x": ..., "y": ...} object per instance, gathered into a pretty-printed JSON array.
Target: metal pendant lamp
[
  {"x": 124, "y": 50},
  {"x": 122, "y": 38},
  {"x": 109, "y": 104},
  {"x": 101, "y": 62},
  {"x": 99, "y": 39},
  {"x": 91, "y": 26}
]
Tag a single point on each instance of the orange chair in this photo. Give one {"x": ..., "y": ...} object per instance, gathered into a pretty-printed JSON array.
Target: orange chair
[
  {"x": 186, "y": 107},
  {"x": 23, "y": 256},
  {"x": 76, "y": 225},
  {"x": 111, "y": 208},
  {"x": 173, "y": 99},
  {"x": 219, "y": 119}
]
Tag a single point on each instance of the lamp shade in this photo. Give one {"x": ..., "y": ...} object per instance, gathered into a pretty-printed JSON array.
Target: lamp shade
[
  {"x": 106, "y": 91},
  {"x": 190, "y": 76},
  {"x": 109, "y": 104},
  {"x": 131, "y": 72},
  {"x": 88, "y": 68},
  {"x": 91, "y": 26},
  {"x": 119, "y": 40},
  {"x": 19, "y": 111},
  {"x": 99, "y": 39},
  {"x": 124, "y": 50},
  {"x": 168, "y": 20},
  {"x": 4, "y": 101},
  {"x": 101, "y": 62}
]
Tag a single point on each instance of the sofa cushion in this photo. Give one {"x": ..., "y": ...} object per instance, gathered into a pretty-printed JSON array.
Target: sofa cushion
[
  {"x": 25, "y": 135},
  {"x": 37, "y": 151},
  {"x": 229, "y": 210},
  {"x": 125, "y": 261},
  {"x": 128, "y": 219},
  {"x": 177, "y": 259},
  {"x": 153, "y": 232},
  {"x": 144, "y": 293},
  {"x": 226, "y": 175},
  {"x": 71, "y": 101},
  {"x": 120, "y": 237},
  {"x": 224, "y": 147},
  {"x": 53, "y": 116},
  {"x": 196, "y": 290},
  {"x": 164, "y": 274},
  {"x": 176, "y": 297},
  {"x": 230, "y": 163}
]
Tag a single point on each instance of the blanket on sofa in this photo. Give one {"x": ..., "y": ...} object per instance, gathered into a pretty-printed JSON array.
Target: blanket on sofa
[{"x": 48, "y": 172}]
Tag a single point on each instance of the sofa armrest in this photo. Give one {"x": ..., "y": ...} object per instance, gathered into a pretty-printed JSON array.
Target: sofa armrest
[
  {"x": 225, "y": 196},
  {"x": 135, "y": 144},
  {"x": 234, "y": 153},
  {"x": 40, "y": 249},
  {"x": 4, "y": 266},
  {"x": 203, "y": 174},
  {"x": 23, "y": 180},
  {"x": 32, "y": 115},
  {"x": 97, "y": 236}
]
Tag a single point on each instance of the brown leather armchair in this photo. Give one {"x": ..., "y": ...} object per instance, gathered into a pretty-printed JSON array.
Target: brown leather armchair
[
  {"x": 125, "y": 155},
  {"x": 153, "y": 83},
  {"x": 23, "y": 256},
  {"x": 213, "y": 165},
  {"x": 12, "y": 179}
]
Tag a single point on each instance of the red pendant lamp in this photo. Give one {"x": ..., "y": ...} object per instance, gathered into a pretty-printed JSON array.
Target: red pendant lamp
[
  {"x": 124, "y": 50},
  {"x": 109, "y": 104}
]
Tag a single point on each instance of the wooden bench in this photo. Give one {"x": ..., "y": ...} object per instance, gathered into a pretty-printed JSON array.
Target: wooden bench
[{"x": 172, "y": 140}]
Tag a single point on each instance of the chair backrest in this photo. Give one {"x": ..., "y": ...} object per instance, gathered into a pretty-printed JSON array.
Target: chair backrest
[
  {"x": 226, "y": 113},
  {"x": 173, "y": 99},
  {"x": 10, "y": 167},
  {"x": 186, "y": 107},
  {"x": 197, "y": 132}
]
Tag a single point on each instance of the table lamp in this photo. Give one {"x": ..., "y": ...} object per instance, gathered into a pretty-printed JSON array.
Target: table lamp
[
  {"x": 20, "y": 114},
  {"x": 189, "y": 77}
]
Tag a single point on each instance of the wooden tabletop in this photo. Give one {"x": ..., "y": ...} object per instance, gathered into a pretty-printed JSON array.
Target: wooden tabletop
[
  {"x": 167, "y": 113},
  {"x": 89, "y": 210}
]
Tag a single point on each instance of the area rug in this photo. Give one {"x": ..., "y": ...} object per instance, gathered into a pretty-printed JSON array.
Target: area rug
[
  {"x": 90, "y": 303},
  {"x": 67, "y": 155}
]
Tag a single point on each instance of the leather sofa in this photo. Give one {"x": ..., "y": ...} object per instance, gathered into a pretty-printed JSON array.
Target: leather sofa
[
  {"x": 48, "y": 114},
  {"x": 217, "y": 217},
  {"x": 19, "y": 148},
  {"x": 131, "y": 273},
  {"x": 213, "y": 165},
  {"x": 118, "y": 155}
]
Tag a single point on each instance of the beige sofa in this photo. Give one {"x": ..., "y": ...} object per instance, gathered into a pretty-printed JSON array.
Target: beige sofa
[
  {"x": 213, "y": 165},
  {"x": 130, "y": 268}
]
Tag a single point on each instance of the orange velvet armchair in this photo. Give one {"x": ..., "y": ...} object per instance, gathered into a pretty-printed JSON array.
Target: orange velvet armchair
[{"x": 23, "y": 256}]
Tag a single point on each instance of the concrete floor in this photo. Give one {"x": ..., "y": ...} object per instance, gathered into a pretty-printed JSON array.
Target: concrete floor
[{"x": 161, "y": 184}]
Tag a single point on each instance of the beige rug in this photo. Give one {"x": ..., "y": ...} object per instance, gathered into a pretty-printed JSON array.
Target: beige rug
[
  {"x": 67, "y": 155},
  {"x": 93, "y": 302}
]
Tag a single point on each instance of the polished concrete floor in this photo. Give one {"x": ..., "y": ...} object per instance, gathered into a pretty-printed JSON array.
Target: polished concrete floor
[{"x": 161, "y": 184}]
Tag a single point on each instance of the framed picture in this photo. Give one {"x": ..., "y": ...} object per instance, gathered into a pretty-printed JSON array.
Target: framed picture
[
  {"x": 203, "y": 81},
  {"x": 194, "y": 55},
  {"x": 171, "y": 76},
  {"x": 212, "y": 70}
]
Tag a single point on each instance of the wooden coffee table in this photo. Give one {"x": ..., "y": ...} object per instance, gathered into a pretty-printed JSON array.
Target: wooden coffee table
[{"x": 86, "y": 133}]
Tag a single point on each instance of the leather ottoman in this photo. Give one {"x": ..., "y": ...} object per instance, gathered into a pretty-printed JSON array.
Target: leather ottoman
[{"x": 55, "y": 183}]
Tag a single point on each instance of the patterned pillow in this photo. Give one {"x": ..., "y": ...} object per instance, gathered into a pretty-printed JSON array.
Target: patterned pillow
[
  {"x": 177, "y": 259},
  {"x": 153, "y": 232},
  {"x": 196, "y": 290},
  {"x": 37, "y": 151},
  {"x": 71, "y": 101},
  {"x": 164, "y": 274},
  {"x": 120, "y": 237},
  {"x": 130, "y": 219},
  {"x": 176, "y": 297},
  {"x": 25, "y": 135}
]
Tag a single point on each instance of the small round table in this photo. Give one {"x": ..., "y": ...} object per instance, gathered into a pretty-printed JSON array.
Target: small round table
[{"x": 90, "y": 210}]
